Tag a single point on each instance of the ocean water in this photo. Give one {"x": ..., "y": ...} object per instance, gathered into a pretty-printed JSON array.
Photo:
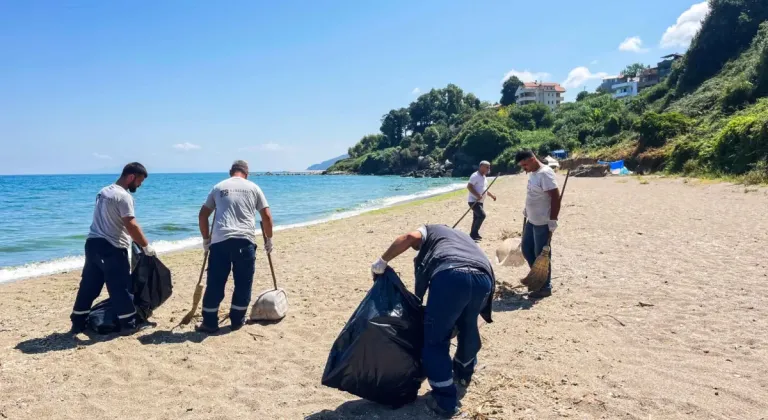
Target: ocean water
[{"x": 44, "y": 219}]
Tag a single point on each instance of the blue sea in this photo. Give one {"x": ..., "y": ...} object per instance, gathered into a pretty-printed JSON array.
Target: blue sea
[{"x": 44, "y": 219}]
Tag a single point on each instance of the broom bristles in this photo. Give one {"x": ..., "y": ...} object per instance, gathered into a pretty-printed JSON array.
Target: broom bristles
[
  {"x": 539, "y": 272},
  {"x": 195, "y": 302}
]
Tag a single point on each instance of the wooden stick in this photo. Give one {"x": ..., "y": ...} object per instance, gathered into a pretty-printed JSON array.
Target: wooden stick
[{"x": 473, "y": 204}]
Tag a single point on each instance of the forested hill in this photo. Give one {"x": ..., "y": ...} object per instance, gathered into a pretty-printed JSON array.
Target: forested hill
[{"x": 710, "y": 116}]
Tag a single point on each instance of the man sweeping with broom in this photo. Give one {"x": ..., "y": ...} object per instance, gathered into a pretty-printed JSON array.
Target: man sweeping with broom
[
  {"x": 542, "y": 207},
  {"x": 232, "y": 244}
]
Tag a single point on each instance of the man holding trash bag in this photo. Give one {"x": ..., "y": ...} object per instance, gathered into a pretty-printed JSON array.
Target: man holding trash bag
[
  {"x": 461, "y": 284},
  {"x": 232, "y": 247}
]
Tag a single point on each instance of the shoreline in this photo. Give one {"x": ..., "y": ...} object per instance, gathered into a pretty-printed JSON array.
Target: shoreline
[
  {"x": 639, "y": 322},
  {"x": 68, "y": 264}
]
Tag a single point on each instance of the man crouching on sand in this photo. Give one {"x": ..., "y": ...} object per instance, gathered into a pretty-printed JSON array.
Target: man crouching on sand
[
  {"x": 461, "y": 283},
  {"x": 232, "y": 247},
  {"x": 106, "y": 251}
]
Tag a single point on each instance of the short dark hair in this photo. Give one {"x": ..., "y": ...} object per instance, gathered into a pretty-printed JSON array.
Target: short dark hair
[
  {"x": 134, "y": 168},
  {"x": 523, "y": 155}
]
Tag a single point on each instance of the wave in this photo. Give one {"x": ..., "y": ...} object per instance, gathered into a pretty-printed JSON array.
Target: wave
[{"x": 61, "y": 265}]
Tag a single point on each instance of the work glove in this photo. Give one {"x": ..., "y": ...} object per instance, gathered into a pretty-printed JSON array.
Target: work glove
[
  {"x": 552, "y": 225},
  {"x": 379, "y": 267},
  {"x": 268, "y": 245},
  {"x": 206, "y": 244},
  {"x": 149, "y": 251}
]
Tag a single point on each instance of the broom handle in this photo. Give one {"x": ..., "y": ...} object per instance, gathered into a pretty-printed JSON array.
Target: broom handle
[
  {"x": 562, "y": 193},
  {"x": 473, "y": 204},
  {"x": 269, "y": 257},
  {"x": 205, "y": 255}
]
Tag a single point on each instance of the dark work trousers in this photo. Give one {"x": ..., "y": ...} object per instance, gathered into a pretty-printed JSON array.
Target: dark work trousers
[
  {"x": 478, "y": 217},
  {"x": 535, "y": 238},
  {"x": 105, "y": 263},
  {"x": 239, "y": 257},
  {"x": 456, "y": 297}
]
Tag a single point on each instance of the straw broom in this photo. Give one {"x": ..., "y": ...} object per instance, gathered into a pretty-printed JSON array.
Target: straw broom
[
  {"x": 199, "y": 288},
  {"x": 539, "y": 273}
]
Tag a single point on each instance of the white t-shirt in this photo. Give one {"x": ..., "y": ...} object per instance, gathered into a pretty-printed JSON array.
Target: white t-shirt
[
  {"x": 538, "y": 203},
  {"x": 112, "y": 204},
  {"x": 479, "y": 183},
  {"x": 236, "y": 201}
]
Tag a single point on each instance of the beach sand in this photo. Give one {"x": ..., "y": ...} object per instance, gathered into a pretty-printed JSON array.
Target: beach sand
[{"x": 659, "y": 311}]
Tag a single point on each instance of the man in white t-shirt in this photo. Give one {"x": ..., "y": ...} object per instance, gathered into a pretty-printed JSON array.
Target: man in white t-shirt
[
  {"x": 232, "y": 247},
  {"x": 106, "y": 251},
  {"x": 542, "y": 206},
  {"x": 477, "y": 186}
]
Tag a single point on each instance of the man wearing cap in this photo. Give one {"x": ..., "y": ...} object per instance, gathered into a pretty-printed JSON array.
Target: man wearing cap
[
  {"x": 477, "y": 186},
  {"x": 232, "y": 247},
  {"x": 106, "y": 251}
]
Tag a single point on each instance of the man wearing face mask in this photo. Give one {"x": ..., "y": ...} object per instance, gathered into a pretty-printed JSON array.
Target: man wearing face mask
[{"x": 106, "y": 251}]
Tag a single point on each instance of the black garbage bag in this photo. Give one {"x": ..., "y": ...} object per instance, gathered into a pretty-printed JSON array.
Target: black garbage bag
[
  {"x": 377, "y": 355},
  {"x": 151, "y": 287}
]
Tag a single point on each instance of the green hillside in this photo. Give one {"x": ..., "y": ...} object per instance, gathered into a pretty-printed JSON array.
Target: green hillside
[{"x": 709, "y": 117}]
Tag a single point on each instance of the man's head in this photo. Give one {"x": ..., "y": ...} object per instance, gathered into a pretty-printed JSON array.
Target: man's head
[
  {"x": 133, "y": 175},
  {"x": 239, "y": 168},
  {"x": 527, "y": 160},
  {"x": 485, "y": 167}
]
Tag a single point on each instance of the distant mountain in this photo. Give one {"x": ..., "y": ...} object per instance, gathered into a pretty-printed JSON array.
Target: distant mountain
[{"x": 327, "y": 164}]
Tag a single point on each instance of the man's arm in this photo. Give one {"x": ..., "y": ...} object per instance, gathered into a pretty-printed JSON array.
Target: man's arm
[
  {"x": 202, "y": 221},
  {"x": 266, "y": 220},
  {"x": 555, "y": 208},
  {"x": 472, "y": 190},
  {"x": 133, "y": 228},
  {"x": 401, "y": 244}
]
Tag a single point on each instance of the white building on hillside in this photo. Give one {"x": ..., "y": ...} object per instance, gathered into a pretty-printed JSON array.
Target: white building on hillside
[
  {"x": 549, "y": 94},
  {"x": 626, "y": 89}
]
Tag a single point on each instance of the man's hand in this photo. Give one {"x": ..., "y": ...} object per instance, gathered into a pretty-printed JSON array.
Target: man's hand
[
  {"x": 552, "y": 225},
  {"x": 268, "y": 245},
  {"x": 149, "y": 251},
  {"x": 492, "y": 196},
  {"x": 379, "y": 267},
  {"x": 206, "y": 244}
]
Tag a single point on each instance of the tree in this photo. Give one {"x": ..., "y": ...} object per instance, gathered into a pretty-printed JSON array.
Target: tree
[
  {"x": 366, "y": 145},
  {"x": 394, "y": 125},
  {"x": 509, "y": 90},
  {"x": 582, "y": 95},
  {"x": 531, "y": 117},
  {"x": 634, "y": 70}
]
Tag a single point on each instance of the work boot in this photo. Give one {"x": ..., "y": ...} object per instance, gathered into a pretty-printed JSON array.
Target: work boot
[
  {"x": 540, "y": 294},
  {"x": 432, "y": 404},
  {"x": 76, "y": 329},
  {"x": 202, "y": 328}
]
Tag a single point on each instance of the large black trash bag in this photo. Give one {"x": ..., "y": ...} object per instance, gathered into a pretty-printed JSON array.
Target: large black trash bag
[
  {"x": 151, "y": 287},
  {"x": 377, "y": 355}
]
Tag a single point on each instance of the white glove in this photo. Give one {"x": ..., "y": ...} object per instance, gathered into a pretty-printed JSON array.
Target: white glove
[
  {"x": 149, "y": 251},
  {"x": 379, "y": 267},
  {"x": 206, "y": 244},
  {"x": 552, "y": 225},
  {"x": 268, "y": 245}
]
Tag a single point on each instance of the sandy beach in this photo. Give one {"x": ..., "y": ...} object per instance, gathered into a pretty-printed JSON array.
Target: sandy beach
[{"x": 659, "y": 312}]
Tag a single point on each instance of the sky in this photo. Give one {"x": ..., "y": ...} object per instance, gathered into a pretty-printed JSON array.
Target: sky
[{"x": 191, "y": 85}]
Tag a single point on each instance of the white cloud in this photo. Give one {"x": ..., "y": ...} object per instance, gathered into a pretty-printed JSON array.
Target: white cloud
[
  {"x": 688, "y": 24},
  {"x": 526, "y": 76},
  {"x": 415, "y": 91},
  {"x": 266, "y": 147},
  {"x": 580, "y": 75},
  {"x": 187, "y": 146},
  {"x": 633, "y": 44},
  {"x": 100, "y": 156}
]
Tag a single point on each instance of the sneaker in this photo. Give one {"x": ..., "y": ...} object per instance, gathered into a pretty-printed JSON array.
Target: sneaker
[
  {"x": 432, "y": 404},
  {"x": 235, "y": 327},
  {"x": 541, "y": 294},
  {"x": 76, "y": 329},
  {"x": 477, "y": 238},
  {"x": 202, "y": 328}
]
